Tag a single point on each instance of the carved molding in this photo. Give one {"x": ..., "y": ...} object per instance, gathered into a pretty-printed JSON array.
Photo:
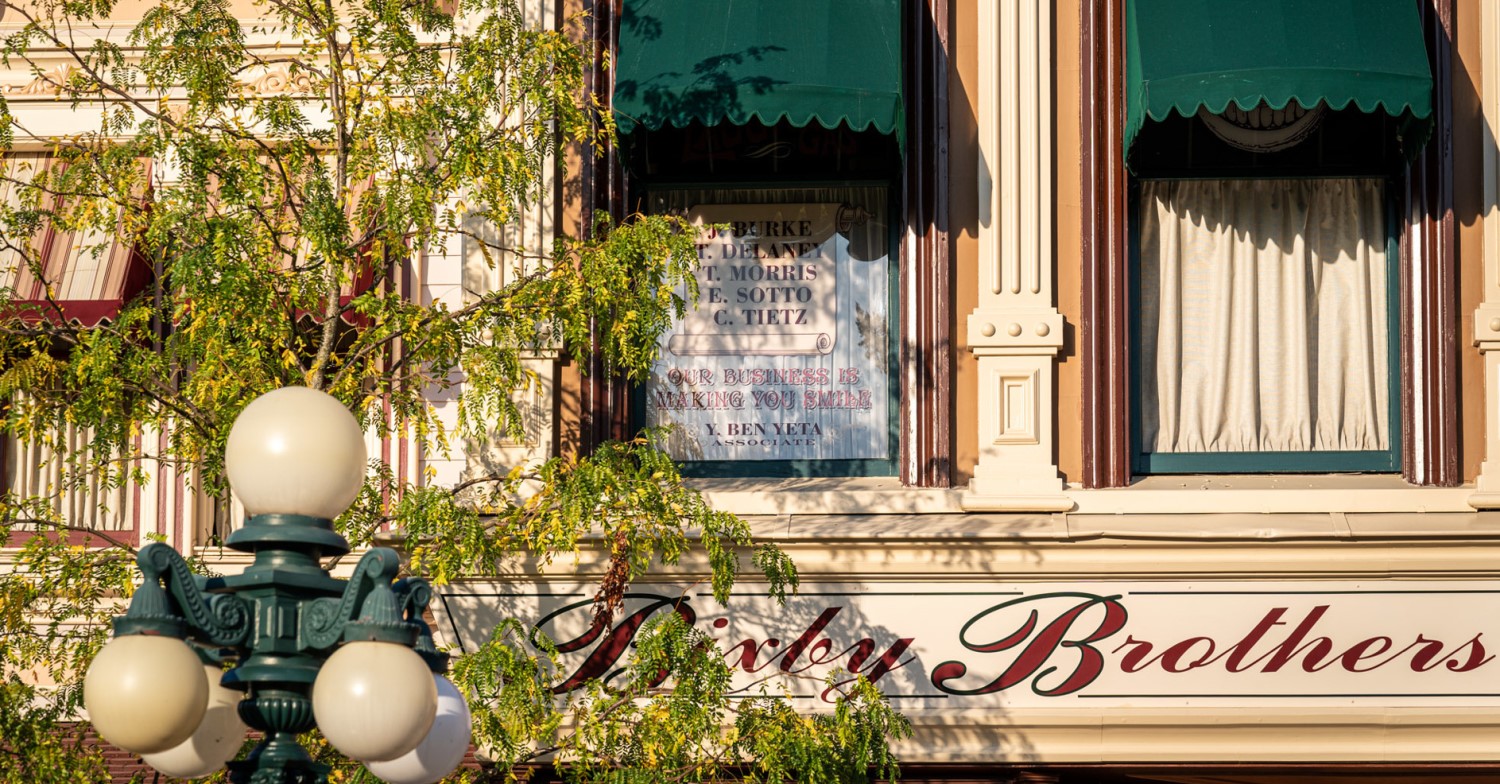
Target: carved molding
[
  {"x": 278, "y": 81},
  {"x": 46, "y": 82},
  {"x": 1017, "y": 399}
]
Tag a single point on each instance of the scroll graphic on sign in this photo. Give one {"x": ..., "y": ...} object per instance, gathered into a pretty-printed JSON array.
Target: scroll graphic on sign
[
  {"x": 784, "y": 354},
  {"x": 769, "y": 282}
]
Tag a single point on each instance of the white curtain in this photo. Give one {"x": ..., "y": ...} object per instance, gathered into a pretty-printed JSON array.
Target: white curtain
[{"x": 1264, "y": 316}]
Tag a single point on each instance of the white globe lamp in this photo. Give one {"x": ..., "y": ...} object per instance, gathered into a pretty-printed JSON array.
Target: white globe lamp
[
  {"x": 441, "y": 751},
  {"x": 215, "y": 741},
  {"x": 297, "y": 451},
  {"x": 145, "y": 693},
  {"x": 374, "y": 701}
]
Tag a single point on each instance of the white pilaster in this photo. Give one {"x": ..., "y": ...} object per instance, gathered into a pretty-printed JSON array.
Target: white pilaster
[{"x": 1016, "y": 331}]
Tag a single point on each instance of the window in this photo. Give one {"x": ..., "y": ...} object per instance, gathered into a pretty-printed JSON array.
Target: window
[
  {"x": 84, "y": 276},
  {"x": 795, "y": 95},
  {"x": 1143, "y": 96}
]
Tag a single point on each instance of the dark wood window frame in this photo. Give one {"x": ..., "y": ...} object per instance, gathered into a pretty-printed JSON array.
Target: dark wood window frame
[
  {"x": 925, "y": 356},
  {"x": 1429, "y": 301}
]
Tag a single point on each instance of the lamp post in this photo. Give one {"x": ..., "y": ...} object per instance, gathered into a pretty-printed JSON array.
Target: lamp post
[{"x": 352, "y": 657}]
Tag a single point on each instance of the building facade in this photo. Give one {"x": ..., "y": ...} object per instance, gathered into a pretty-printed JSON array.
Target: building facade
[
  {"x": 1120, "y": 374},
  {"x": 1177, "y": 466}
]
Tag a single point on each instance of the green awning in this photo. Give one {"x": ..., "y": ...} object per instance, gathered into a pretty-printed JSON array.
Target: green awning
[
  {"x": 836, "y": 62},
  {"x": 1183, "y": 54}
]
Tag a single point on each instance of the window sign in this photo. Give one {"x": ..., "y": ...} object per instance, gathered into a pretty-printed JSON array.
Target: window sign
[{"x": 786, "y": 356}]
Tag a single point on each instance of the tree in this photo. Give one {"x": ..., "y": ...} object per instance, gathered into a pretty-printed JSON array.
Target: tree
[{"x": 275, "y": 226}]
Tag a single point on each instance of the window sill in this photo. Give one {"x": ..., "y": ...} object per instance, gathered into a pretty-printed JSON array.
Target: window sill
[
  {"x": 862, "y": 495},
  {"x": 1286, "y": 493},
  {"x": 1157, "y": 495}
]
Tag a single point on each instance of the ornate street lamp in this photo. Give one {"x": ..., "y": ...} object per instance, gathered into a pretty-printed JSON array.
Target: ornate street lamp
[{"x": 350, "y": 657}]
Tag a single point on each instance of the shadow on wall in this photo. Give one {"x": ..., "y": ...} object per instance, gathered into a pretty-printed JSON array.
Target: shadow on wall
[{"x": 1468, "y": 112}]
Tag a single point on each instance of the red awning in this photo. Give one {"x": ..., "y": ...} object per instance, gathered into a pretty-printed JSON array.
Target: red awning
[{"x": 89, "y": 274}]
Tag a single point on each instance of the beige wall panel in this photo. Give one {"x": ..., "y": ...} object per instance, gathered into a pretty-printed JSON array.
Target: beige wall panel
[
  {"x": 1469, "y": 136},
  {"x": 571, "y": 215},
  {"x": 569, "y": 424},
  {"x": 1067, "y": 221},
  {"x": 963, "y": 165}
]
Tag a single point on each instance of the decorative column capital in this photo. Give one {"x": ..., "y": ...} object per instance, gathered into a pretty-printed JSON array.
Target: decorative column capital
[
  {"x": 1015, "y": 331},
  {"x": 1487, "y": 326}
]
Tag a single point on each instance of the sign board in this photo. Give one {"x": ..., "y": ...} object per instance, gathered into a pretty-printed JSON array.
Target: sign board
[
  {"x": 786, "y": 355},
  {"x": 1052, "y": 645}
]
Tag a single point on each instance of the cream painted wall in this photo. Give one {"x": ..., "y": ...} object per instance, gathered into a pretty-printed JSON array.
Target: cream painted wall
[
  {"x": 963, "y": 162},
  {"x": 129, "y": 10},
  {"x": 1468, "y": 203},
  {"x": 1067, "y": 224}
]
